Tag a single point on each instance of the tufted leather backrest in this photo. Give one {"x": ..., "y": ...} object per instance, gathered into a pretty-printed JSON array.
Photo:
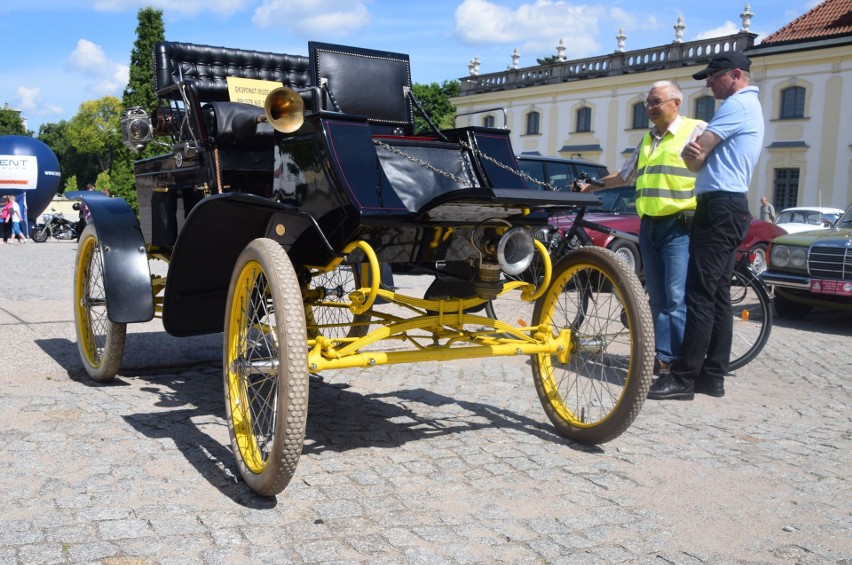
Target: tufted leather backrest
[
  {"x": 366, "y": 82},
  {"x": 209, "y": 66}
]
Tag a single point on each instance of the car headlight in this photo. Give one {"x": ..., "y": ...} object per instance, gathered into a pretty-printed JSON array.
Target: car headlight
[
  {"x": 786, "y": 256},
  {"x": 780, "y": 255}
]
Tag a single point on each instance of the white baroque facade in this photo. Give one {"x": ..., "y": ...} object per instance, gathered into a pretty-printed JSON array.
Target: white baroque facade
[{"x": 592, "y": 109}]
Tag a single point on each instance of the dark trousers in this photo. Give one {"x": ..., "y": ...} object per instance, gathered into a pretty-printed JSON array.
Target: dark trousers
[{"x": 720, "y": 225}]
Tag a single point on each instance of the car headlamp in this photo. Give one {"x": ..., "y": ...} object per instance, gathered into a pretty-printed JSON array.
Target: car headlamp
[{"x": 780, "y": 255}]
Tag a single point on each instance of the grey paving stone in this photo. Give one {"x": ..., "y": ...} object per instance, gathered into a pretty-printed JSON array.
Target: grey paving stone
[{"x": 426, "y": 463}]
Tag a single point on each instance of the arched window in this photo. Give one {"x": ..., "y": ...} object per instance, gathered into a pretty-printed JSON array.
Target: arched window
[
  {"x": 488, "y": 121},
  {"x": 793, "y": 102},
  {"x": 533, "y": 119},
  {"x": 584, "y": 119},
  {"x": 640, "y": 117},
  {"x": 705, "y": 107}
]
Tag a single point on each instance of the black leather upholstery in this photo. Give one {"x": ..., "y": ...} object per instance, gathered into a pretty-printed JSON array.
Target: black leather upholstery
[
  {"x": 233, "y": 123},
  {"x": 367, "y": 83},
  {"x": 208, "y": 67}
]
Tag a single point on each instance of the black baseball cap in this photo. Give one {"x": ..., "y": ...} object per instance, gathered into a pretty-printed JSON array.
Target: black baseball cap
[{"x": 724, "y": 62}]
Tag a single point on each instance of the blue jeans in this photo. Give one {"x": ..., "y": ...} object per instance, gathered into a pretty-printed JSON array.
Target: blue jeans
[
  {"x": 720, "y": 224},
  {"x": 664, "y": 245}
]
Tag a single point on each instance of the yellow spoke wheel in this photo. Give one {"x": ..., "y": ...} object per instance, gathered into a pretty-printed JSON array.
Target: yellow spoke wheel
[
  {"x": 597, "y": 390},
  {"x": 265, "y": 367},
  {"x": 100, "y": 341}
]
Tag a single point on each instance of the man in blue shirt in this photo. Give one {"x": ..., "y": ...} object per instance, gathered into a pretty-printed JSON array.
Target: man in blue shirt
[{"x": 724, "y": 157}]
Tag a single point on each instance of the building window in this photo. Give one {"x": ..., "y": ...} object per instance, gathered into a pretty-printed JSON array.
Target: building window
[
  {"x": 488, "y": 121},
  {"x": 640, "y": 117},
  {"x": 533, "y": 119},
  {"x": 705, "y": 107},
  {"x": 793, "y": 102},
  {"x": 584, "y": 119},
  {"x": 786, "y": 188}
]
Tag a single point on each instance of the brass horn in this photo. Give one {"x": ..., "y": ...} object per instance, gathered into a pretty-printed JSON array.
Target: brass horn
[{"x": 284, "y": 109}]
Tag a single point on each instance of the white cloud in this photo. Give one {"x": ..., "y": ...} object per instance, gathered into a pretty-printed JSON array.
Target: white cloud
[
  {"x": 328, "y": 18},
  {"x": 537, "y": 27},
  {"x": 88, "y": 58},
  {"x": 28, "y": 98},
  {"x": 104, "y": 75},
  {"x": 29, "y": 101},
  {"x": 727, "y": 28}
]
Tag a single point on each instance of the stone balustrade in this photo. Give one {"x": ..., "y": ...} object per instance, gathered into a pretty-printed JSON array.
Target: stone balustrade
[{"x": 669, "y": 56}]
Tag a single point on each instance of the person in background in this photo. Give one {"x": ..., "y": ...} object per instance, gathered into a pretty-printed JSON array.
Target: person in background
[
  {"x": 724, "y": 156},
  {"x": 15, "y": 217},
  {"x": 767, "y": 210},
  {"x": 664, "y": 192},
  {"x": 85, "y": 215},
  {"x": 7, "y": 219}
]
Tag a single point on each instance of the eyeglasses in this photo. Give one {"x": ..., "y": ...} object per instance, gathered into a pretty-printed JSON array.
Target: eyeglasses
[
  {"x": 656, "y": 103},
  {"x": 713, "y": 76}
]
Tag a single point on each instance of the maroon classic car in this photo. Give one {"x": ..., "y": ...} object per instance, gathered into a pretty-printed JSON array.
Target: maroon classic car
[{"x": 618, "y": 211}]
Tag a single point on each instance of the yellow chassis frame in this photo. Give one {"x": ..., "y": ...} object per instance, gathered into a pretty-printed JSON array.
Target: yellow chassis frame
[
  {"x": 437, "y": 332},
  {"x": 443, "y": 324}
]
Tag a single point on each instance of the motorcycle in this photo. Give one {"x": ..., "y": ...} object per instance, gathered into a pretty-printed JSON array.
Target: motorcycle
[{"x": 53, "y": 224}]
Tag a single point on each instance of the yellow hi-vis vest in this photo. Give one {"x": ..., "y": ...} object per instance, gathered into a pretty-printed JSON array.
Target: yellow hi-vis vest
[{"x": 664, "y": 185}]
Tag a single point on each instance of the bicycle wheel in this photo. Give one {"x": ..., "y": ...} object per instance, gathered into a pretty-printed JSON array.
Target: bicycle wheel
[
  {"x": 752, "y": 317},
  {"x": 331, "y": 316},
  {"x": 100, "y": 341},
  {"x": 597, "y": 393},
  {"x": 265, "y": 367}
]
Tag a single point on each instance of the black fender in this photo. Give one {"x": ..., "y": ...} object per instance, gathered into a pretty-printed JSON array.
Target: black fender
[
  {"x": 127, "y": 277},
  {"x": 214, "y": 234}
]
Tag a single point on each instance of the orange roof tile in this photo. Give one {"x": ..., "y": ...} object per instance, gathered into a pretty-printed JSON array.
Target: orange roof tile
[{"x": 831, "y": 18}]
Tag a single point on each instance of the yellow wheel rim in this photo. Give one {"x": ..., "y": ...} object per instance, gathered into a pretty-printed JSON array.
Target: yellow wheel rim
[
  {"x": 595, "y": 327},
  {"x": 252, "y": 366},
  {"x": 89, "y": 294}
]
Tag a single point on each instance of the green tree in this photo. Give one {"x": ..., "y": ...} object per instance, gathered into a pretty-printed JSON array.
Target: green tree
[
  {"x": 94, "y": 131},
  {"x": 122, "y": 182},
  {"x": 70, "y": 184},
  {"x": 11, "y": 123},
  {"x": 548, "y": 60},
  {"x": 435, "y": 100},
  {"x": 72, "y": 163},
  {"x": 140, "y": 85}
]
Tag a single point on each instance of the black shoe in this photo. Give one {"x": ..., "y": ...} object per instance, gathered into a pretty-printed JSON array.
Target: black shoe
[
  {"x": 710, "y": 388},
  {"x": 661, "y": 368},
  {"x": 670, "y": 388}
]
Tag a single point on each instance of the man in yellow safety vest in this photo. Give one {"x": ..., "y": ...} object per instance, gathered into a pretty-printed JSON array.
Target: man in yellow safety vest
[{"x": 664, "y": 199}]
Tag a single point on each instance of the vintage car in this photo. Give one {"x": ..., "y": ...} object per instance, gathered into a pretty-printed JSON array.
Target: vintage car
[
  {"x": 811, "y": 269},
  {"x": 807, "y": 218},
  {"x": 618, "y": 211},
  {"x": 558, "y": 172},
  {"x": 274, "y": 216}
]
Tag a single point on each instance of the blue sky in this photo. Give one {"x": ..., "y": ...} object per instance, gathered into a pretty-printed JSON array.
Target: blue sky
[{"x": 57, "y": 54}]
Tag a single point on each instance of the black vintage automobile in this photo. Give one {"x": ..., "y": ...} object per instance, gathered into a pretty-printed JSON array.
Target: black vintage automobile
[{"x": 275, "y": 223}]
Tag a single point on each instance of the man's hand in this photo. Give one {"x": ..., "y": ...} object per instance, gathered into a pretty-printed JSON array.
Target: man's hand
[{"x": 695, "y": 152}]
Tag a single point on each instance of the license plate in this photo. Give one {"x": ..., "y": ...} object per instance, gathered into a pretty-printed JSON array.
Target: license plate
[{"x": 839, "y": 288}]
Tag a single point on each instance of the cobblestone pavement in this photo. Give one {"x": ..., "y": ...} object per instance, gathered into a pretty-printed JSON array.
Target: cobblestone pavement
[{"x": 421, "y": 464}]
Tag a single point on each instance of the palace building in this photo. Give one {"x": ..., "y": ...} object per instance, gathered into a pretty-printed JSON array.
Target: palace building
[{"x": 592, "y": 108}]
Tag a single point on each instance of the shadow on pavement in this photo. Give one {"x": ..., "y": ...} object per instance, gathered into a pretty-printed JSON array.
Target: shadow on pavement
[
  {"x": 834, "y": 322},
  {"x": 190, "y": 396}
]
